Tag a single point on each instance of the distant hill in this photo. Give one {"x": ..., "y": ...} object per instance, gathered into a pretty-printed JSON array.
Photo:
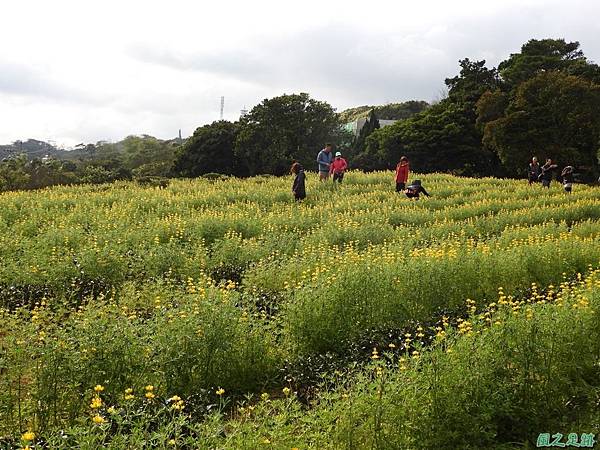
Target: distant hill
[
  {"x": 32, "y": 148},
  {"x": 391, "y": 111}
]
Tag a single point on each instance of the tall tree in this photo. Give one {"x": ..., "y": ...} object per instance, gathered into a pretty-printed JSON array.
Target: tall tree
[
  {"x": 371, "y": 124},
  {"x": 363, "y": 158},
  {"x": 284, "y": 128},
  {"x": 551, "y": 115},
  {"x": 473, "y": 80},
  {"x": 444, "y": 137},
  {"x": 209, "y": 149},
  {"x": 544, "y": 55}
]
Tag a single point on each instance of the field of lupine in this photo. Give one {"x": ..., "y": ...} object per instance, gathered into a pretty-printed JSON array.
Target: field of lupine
[{"x": 221, "y": 314}]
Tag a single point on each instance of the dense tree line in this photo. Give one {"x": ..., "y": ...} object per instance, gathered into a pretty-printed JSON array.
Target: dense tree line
[
  {"x": 542, "y": 101},
  {"x": 265, "y": 141},
  {"x": 143, "y": 158}
]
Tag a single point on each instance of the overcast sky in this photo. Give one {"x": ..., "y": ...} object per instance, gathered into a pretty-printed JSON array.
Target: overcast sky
[{"x": 83, "y": 71}]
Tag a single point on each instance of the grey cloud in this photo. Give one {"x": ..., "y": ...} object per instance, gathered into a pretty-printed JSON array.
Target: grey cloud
[
  {"x": 29, "y": 81},
  {"x": 349, "y": 66},
  {"x": 327, "y": 59}
]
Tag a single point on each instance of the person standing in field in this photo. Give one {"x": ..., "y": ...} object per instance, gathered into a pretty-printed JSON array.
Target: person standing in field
[
  {"x": 567, "y": 178},
  {"x": 338, "y": 168},
  {"x": 546, "y": 173},
  {"x": 415, "y": 189},
  {"x": 534, "y": 170},
  {"x": 324, "y": 162},
  {"x": 299, "y": 186},
  {"x": 402, "y": 170}
]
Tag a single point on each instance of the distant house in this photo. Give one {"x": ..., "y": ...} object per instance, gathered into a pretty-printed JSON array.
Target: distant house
[{"x": 356, "y": 126}]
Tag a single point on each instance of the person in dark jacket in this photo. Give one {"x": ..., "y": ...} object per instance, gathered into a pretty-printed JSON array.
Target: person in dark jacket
[
  {"x": 534, "y": 170},
  {"x": 567, "y": 178},
  {"x": 414, "y": 189},
  {"x": 299, "y": 187},
  {"x": 546, "y": 173}
]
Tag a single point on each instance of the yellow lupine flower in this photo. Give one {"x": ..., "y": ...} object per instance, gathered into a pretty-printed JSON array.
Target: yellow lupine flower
[
  {"x": 96, "y": 403},
  {"x": 98, "y": 419},
  {"x": 28, "y": 436}
]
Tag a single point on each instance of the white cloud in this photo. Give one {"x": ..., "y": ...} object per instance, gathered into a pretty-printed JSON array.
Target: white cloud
[{"x": 73, "y": 71}]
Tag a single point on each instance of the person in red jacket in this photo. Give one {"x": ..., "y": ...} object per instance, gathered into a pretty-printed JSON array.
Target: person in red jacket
[
  {"x": 338, "y": 168},
  {"x": 402, "y": 170}
]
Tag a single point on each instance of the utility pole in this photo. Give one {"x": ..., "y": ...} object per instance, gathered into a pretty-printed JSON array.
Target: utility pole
[{"x": 222, "y": 106}]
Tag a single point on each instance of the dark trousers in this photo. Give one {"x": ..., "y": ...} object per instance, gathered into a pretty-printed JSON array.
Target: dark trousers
[
  {"x": 400, "y": 187},
  {"x": 338, "y": 177}
]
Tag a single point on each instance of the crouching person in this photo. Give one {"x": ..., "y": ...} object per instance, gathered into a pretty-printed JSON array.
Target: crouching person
[
  {"x": 567, "y": 178},
  {"x": 415, "y": 189}
]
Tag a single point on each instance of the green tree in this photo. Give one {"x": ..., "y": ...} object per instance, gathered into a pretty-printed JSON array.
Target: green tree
[
  {"x": 97, "y": 175},
  {"x": 47, "y": 173},
  {"x": 137, "y": 151},
  {"x": 544, "y": 55},
  {"x": 209, "y": 149},
  {"x": 443, "y": 137},
  {"x": 282, "y": 129},
  {"x": 551, "y": 115},
  {"x": 363, "y": 158},
  {"x": 473, "y": 80},
  {"x": 491, "y": 106},
  {"x": 371, "y": 124},
  {"x": 13, "y": 173}
]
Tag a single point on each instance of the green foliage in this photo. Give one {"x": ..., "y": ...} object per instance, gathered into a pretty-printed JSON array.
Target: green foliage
[
  {"x": 474, "y": 79},
  {"x": 545, "y": 55},
  {"x": 20, "y": 173},
  {"x": 552, "y": 115},
  {"x": 512, "y": 369},
  {"x": 493, "y": 121},
  {"x": 442, "y": 138},
  {"x": 137, "y": 156},
  {"x": 209, "y": 150},
  {"x": 282, "y": 129},
  {"x": 490, "y": 106},
  {"x": 371, "y": 124},
  {"x": 13, "y": 173},
  {"x": 141, "y": 151}
]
